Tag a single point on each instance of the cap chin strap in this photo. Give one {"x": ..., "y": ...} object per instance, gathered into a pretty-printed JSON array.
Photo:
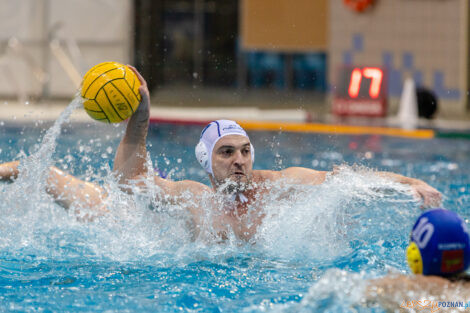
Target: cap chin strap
[
  {"x": 241, "y": 197},
  {"x": 203, "y": 156}
]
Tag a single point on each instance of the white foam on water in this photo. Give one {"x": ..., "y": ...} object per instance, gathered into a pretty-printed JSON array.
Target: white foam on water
[{"x": 318, "y": 222}]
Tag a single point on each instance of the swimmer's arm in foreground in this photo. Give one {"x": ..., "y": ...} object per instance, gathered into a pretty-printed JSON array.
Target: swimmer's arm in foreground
[
  {"x": 66, "y": 189},
  {"x": 9, "y": 171},
  {"x": 391, "y": 291}
]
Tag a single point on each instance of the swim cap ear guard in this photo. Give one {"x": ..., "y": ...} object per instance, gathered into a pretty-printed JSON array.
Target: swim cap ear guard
[
  {"x": 209, "y": 137},
  {"x": 413, "y": 256},
  {"x": 202, "y": 156},
  {"x": 439, "y": 244}
]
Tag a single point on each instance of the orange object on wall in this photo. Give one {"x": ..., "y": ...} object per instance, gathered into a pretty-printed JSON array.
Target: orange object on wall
[{"x": 358, "y": 5}]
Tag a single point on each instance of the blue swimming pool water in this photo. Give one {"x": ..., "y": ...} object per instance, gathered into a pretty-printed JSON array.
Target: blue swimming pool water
[{"x": 315, "y": 254}]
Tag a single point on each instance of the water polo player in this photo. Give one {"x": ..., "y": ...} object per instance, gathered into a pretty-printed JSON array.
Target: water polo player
[
  {"x": 438, "y": 255},
  {"x": 439, "y": 244},
  {"x": 226, "y": 154}
]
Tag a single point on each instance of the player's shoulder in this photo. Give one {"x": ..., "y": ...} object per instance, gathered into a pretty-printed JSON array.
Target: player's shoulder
[
  {"x": 294, "y": 170},
  {"x": 300, "y": 175},
  {"x": 176, "y": 187},
  {"x": 263, "y": 175},
  {"x": 192, "y": 186}
]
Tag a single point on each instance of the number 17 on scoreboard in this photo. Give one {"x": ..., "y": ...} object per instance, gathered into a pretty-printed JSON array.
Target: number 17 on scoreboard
[{"x": 361, "y": 91}]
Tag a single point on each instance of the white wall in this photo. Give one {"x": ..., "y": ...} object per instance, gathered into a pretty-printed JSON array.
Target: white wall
[{"x": 101, "y": 29}]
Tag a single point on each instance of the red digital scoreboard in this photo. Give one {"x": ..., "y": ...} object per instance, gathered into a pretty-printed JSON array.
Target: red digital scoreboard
[{"x": 360, "y": 91}]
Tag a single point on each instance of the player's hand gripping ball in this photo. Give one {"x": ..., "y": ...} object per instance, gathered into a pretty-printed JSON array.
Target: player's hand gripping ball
[{"x": 110, "y": 92}]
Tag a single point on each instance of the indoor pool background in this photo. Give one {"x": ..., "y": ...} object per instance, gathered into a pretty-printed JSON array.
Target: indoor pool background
[{"x": 315, "y": 254}]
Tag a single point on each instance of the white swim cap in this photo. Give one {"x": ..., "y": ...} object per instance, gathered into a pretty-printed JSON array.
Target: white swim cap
[{"x": 209, "y": 137}]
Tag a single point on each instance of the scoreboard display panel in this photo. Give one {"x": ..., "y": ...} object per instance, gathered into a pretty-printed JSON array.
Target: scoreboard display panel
[{"x": 360, "y": 91}]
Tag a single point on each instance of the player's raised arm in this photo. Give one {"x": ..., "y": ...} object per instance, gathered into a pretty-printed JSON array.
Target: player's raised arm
[
  {"x": 130, "y": 162},
  {"x": 130, "y": 159}
]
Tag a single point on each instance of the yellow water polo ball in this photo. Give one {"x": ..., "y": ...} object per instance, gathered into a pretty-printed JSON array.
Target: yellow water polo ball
[{"x": 110, "y": 92}]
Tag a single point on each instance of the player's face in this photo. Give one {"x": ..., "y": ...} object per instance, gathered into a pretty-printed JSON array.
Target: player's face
[{"x": 231, "y": 160}]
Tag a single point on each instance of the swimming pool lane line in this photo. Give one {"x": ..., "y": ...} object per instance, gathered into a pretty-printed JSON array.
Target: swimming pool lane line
[{"x": 314, "y": 128}]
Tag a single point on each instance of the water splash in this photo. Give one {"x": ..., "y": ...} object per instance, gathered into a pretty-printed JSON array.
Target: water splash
[
  {"x": 328, "y": 221},
  {"x": 25, "y": 204},
  {"x": 314, "y": 223},
  {"x": 33, "y": 170}
]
